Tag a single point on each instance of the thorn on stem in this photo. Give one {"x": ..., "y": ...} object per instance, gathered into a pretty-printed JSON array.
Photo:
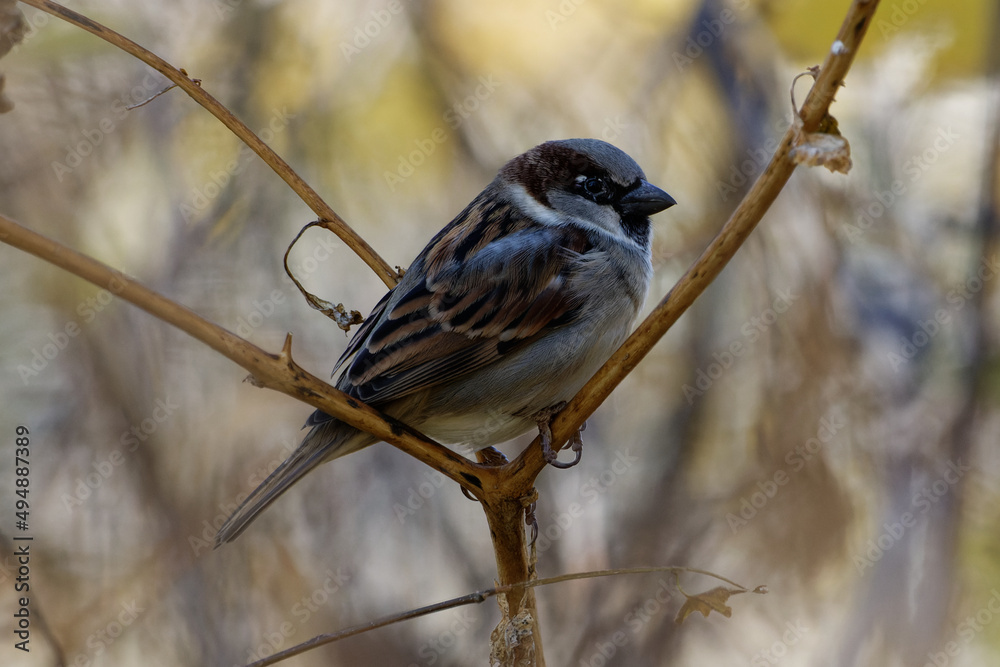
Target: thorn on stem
[{"x": 286, "y": 349}]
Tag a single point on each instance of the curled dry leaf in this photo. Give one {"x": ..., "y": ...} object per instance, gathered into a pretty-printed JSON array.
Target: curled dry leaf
[
  {"x": 712, "y": 600},
  {"x": 823, "y": 148},
  {"x": 338, "y": 313},
  {"x": 706, "y": 602},
  {"x": 343, "y": 318},
  {"x": 509, "y": 634}
]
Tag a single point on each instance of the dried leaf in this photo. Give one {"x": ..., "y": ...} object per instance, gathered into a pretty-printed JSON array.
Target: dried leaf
[
  {"x": 509, "y": 634},
  {"x": 344, "y": 319},
  {"x": 707, "y": 602},
  {"x": 824, "y": 148},
  {"x": 336, "y": 313}
]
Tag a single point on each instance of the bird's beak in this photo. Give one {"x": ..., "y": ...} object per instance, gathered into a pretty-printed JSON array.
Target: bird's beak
[{"x": 646, "y": 199}]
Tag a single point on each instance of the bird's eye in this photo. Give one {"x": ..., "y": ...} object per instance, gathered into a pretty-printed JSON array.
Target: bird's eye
[{"x": 593, "y": 186}]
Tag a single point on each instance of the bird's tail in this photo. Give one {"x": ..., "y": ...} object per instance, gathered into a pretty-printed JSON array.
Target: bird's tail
[{"x": 327, "y": 440}]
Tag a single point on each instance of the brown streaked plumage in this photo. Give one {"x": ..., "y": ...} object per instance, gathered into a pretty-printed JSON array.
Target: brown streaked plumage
[{"x": 507, "y": 311}]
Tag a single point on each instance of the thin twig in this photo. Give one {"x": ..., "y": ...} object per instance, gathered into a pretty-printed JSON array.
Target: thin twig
[
  {"x": 518, "y": 476},
  {"x": 278, "y": 372},
  {"x": 133, "y": 107},
  {"x": 497, "y": 487},
  {"x": 715, "y": 257},
  {"x": 336, "y": 313},
  {"x": 193, "y": 87},
  {"x": 477, "y": 598}
]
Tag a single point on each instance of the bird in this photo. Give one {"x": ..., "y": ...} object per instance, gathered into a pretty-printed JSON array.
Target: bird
[{"x": 502, "y": 317}]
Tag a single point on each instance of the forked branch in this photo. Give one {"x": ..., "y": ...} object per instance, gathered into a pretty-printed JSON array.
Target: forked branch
[
  {"x": 192, "y": 87},
  {"x": 723, "y": 247},
  {"x": 499, "y": 488}
]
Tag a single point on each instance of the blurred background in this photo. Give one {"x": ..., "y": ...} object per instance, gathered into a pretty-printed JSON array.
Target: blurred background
[{"x": 824, "y": 420}]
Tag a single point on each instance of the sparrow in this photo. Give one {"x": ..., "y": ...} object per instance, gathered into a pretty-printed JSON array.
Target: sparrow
[{"x": 504, "y": 316}]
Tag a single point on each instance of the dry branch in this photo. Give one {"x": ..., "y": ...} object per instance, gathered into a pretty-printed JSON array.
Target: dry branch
[
  {"x": 274, "y": 371},
  {"x": 722, "y": 248},
  {"x": 193, "y": 87},
  {"x": 481, "y": 596},
  {"x": 502, "y": 488}
]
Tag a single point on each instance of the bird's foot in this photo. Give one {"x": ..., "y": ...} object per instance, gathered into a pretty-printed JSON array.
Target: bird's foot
[
  {"x": 529, "y": 503},
  {"x": 544, "y": 420}
]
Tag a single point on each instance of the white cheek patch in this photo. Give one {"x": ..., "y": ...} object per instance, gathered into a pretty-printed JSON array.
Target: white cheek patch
[
  {"x": 533, "y": 208},
  {"x": 548, "y": 216}
]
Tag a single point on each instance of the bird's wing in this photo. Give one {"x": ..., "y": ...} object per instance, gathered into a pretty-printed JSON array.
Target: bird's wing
[
  {"x": 484, "y": 291},
  {"x": 361, "y": 335}
]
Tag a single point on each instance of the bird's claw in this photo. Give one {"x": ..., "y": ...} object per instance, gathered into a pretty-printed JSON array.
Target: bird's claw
[
  {"x": 530, "y": 503},
  {"x": 551, "y": 456}
]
